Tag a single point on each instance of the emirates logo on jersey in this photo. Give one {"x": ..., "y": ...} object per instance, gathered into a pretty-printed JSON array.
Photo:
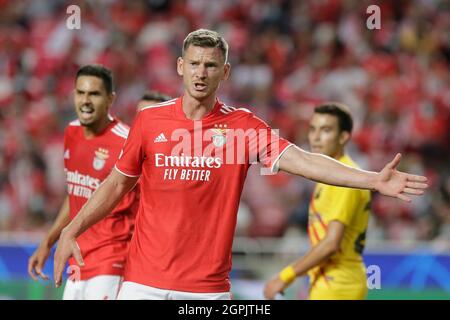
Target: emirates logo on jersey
[
  {"x": 219, "y": 138},
  {"x": 101, "y": 155}
]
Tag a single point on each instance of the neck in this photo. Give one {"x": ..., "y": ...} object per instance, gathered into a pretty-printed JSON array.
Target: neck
[
  {"x": 339, "y": 154},
  {"x": 92, "y": 131},
  {"x": 195, "y": 109}
]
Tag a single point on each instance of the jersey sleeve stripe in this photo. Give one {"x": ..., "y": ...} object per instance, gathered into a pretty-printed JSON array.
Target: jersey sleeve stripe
[
  {"x": 227, "y": 108},
  {"x": 316, "y": 235},
  {"x": 274, "y": 167},
  {"x": 165, "y": 104},
  {"x": 118, "y": 133},
  {"x": 122, "y": 126},
  {"x": 244, "y": 109},
  {"x": 121, "y": 129},
  {"x": 317, "y": 214},
  {"x": 125, "y": 174}
]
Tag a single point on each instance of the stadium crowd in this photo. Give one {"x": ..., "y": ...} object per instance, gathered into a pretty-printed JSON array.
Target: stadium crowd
[{"x": 286, "y": 57}]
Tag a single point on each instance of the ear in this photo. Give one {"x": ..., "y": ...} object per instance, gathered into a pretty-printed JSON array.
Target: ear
[
  {"x": 344, "y": 136},
  {"x": 226, "y": 71},
  {"x": 112, "y": 98},
  {"x": 180, "y": 62}
]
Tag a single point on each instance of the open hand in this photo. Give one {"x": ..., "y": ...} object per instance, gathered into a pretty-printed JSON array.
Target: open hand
[{"x": 394, "y": 183}]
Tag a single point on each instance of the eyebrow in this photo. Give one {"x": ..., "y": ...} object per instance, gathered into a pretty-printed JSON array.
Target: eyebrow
[
  {"x": 208, "y": 63},
  {"x": 89, "y": 92},
  {"x": 320, "y": 127}
]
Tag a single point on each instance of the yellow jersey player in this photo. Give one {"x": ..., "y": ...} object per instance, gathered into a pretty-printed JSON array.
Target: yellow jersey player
[{"x": 338, "y": 219}]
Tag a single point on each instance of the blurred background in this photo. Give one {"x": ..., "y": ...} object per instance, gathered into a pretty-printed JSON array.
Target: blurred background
[{"x": 286, "y": 57}]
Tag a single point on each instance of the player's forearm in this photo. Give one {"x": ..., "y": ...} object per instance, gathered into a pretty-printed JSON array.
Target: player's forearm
[
  {"x": 101, "y": 203},
  {"x": 326, "y": 170},
  {"x": 315, "y": 257},
  {"x": 62, "y": 220}
]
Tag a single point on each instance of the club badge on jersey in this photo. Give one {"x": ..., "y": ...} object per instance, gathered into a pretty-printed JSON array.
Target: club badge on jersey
[
  {"x": 100, "y": 158},
  {"x": 219, "y": 139}
]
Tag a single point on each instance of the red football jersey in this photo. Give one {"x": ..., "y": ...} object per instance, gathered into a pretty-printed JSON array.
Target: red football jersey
[
  {"x": 87, "y": 163},
  {"x": 192, "y": 175}
]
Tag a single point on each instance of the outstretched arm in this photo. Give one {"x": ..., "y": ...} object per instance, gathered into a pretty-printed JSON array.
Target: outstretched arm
[
  {"x": 320, "y": 168},
  {"x": 102, "y": 202}
]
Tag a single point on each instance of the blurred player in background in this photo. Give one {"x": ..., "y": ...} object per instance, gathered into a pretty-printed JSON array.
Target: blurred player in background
[
  {"x": 150, "y": 98},
  {"x": 182, "y": 245},
  {"x": 338, "y": 219},
  {"x": 91, "y": 147}
]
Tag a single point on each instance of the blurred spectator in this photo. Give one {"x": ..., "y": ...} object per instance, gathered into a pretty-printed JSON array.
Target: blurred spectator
[{"x": 286, "y": 57}]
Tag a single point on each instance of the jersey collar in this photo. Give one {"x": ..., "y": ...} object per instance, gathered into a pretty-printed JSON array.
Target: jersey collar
[{"x": 179, "y": 113}]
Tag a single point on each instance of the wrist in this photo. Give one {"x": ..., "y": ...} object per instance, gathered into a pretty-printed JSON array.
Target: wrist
[
  {"x": 46, "y": 243},
  {"x": 67, "y": 233},
  {"x": 287, "y": 275},
  {"x": 374, "y": 182}
]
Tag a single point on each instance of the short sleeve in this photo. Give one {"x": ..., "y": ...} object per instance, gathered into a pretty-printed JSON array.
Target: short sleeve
[
  {"x": 132, "y": 154},
  {"x": 266, "y": 145},
  {"x": 345, "y": 204}
]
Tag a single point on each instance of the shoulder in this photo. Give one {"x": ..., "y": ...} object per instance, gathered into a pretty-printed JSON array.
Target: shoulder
[
  {"x": 73, "y": 127},
  {"x": 158, "y": 107},
  {"x": 226, "y": 109},
  {"x": 243, "y": 114},
  {"x": 120, "y": 129}
]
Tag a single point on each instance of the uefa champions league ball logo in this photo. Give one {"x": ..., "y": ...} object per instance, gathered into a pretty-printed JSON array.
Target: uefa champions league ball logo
[{"x": 100, "y": 158}]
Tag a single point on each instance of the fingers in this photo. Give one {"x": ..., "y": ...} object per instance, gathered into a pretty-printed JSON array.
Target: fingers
[
  {"x": 394, "y": 163},
  {"x": 416, "y": 192},
  {"x": 403, "y": 197},
  {"x": 40, "y": 273},
  {"x": 268, "y": 292},
  {"x": 77, "y": 255},
  {"x": 269, "y": 295},
  {"x": 416, "y": 185},
  {"x": 58, "y": 270},
  {"x": 35, "y": 269},
  {"x": 414, "y": 178},
  {"x": 31, "y": 264}
]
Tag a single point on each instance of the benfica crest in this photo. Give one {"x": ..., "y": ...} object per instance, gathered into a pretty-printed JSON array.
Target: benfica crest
[
  {"x": 219, "y": 138},
  {"x": 100, "y": 158}
]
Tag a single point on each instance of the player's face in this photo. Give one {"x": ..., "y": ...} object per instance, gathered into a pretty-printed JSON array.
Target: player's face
[
  {"x": 92, "y": 102},
  {"x": 202, "y": 70},
  {"x": 325, "y": 137}
]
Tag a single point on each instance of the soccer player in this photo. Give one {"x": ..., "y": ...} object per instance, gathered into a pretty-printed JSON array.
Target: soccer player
[
  {"x": 338, "y": 219},
  {"x": 92, "y": 144},
  {"x": 150, "y": 98},
  {"x": 192, "y": 161}
]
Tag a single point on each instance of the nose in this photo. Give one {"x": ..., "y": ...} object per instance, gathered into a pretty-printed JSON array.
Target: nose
[
  {"x": 201, "y": 72},
  {"x": 85, "y": 99},
  {"x": 314, "y": 135}
]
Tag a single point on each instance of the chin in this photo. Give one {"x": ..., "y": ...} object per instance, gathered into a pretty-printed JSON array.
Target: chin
[
  {"x": 200, "y": 95},
  {"x": 87, "y": 124}
]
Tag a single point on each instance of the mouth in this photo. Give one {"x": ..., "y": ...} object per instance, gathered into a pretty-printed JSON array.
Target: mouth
[
  {"x": 86, "y": 112},
  {"x": 200, "y": 86},
  {"x": 316, "y": 149}
]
